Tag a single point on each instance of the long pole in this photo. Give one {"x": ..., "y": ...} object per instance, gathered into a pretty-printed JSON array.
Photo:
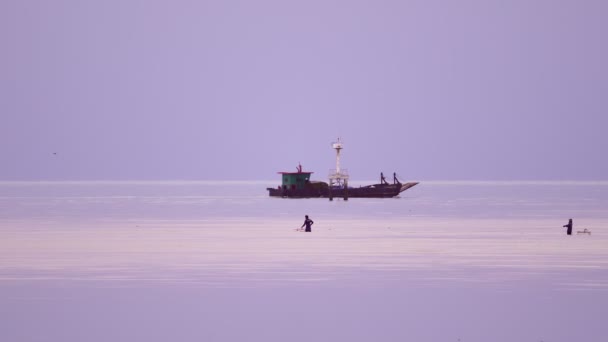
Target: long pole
[{"x": 338, "y": 160}]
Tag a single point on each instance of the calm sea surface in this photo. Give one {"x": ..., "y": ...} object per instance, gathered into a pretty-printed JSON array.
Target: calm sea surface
[
  {"x": 449, "y": 255},
  {"x": 175, "y": 200}
]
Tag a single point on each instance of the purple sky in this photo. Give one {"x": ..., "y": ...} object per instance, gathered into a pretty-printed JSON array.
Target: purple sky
[{"x": 241, "y": 89}]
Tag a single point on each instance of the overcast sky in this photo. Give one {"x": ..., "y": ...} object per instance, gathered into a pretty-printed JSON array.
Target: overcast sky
[{"x": 236, "y": 90}]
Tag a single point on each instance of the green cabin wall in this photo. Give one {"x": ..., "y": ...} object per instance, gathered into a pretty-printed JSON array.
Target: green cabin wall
[{"x": 299, "y": 180}]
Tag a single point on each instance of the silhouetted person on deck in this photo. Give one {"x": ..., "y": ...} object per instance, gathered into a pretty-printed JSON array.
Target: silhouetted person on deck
[
  {"x": 569, "y": 226},
  {"x": 382, "y": 179},
  {"x": 308, "y": 223}
]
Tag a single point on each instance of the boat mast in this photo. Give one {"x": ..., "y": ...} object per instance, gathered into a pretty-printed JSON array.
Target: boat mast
[
  {"x": 338, "y": 147},
  {"x": 338, "y": 177}
]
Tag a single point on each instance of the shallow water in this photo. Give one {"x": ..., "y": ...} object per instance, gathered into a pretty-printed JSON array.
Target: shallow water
[{"x": 451, "y": 257}]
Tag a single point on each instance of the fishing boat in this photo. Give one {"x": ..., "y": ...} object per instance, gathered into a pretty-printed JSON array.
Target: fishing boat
[{"x": 299, "y": 184}]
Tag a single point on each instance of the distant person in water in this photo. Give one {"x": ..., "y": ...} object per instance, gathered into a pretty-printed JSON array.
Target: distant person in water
[
  {"x": 308, "y": 223},
  {"x": 569, "y": 226}
]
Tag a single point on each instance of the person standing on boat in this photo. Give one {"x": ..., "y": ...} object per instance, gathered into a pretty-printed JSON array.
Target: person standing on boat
[
  {"x": 569, "y": 226},
  {"x": 308, "y": 223},
  {"x": 382, "y": 179}
]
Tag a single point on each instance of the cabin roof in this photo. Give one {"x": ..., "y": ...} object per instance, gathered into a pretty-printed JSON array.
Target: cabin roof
[{"x": 294, "y": 173}]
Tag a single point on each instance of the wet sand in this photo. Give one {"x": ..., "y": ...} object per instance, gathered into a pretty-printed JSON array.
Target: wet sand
[{"x": 225, "y": 280}]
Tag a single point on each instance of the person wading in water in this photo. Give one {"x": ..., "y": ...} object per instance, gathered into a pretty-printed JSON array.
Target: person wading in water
[
  {"x": 569, "y": 226},
  {"x": 308, "y": 223}
]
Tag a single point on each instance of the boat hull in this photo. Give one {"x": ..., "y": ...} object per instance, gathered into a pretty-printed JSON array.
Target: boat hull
[{"x": 370, "y": 191}]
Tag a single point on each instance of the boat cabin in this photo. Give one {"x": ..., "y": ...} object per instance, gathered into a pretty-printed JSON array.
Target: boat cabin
[{"x": 295, "y": 180}]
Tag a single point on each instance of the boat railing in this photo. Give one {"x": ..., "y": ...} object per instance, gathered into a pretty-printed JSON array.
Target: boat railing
[{"x": 333, "y": 173}]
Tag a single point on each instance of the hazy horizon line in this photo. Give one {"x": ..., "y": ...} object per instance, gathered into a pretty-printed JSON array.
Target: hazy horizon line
[{"x": 253, "y": 182}]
